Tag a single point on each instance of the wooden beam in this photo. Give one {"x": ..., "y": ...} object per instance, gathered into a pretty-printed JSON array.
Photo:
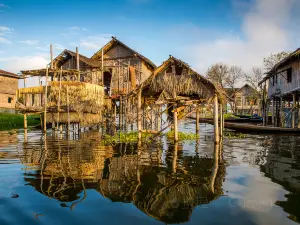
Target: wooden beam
[{"x": 294, "y": 111}]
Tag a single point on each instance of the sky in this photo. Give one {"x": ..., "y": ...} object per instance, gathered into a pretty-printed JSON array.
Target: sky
[{"x": 199, "y": 32}]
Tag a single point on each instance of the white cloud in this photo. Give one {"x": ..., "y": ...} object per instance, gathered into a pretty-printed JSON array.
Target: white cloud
[
  {"x": 265, "y": 30},
  {"x": 16, "y": 64},
  {"x": 74, "y": 30},
  {"x": 4, "y": 41},
  {"x": 4, "y": 30},
  {"x": 30, "y": 42},
  {"x": 94, "y": 42},
  {"x": 3, "y": 6}
]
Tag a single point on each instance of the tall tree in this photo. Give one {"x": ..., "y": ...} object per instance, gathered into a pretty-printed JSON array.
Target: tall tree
[
  {"x": 273, "y": 59},
  {"x": 218, "y": 74}
]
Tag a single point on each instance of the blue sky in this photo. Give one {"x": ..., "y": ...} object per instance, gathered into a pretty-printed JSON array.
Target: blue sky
[{"x": 200, "y": 32}]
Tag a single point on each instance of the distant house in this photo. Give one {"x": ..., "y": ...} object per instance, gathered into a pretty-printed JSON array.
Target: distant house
[
  {"x": 8, "y": 88},
  {"x": 244, "y": 100}
]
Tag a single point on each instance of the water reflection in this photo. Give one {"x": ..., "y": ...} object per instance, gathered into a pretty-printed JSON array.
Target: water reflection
[
  {"x": 283, "y": 167},
  {"x": 168, "y": 191}
]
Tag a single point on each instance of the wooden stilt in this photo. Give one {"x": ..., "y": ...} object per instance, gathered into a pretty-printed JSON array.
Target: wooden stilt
[
  {"x": 221, "y": 120},
  {"x": 197, "y": 121},
  {"x": 46, "y": 100},
  {"x": 294, "y": 111},
  {"x": 281, "y": 102},
  {"x": 273, "y": 111},
  {"x": 60, "y": 128},
  {"x": 216, "y": 120},
  {"x": 59, "y": 91},
  {"x": 299, "y": 112},
  {"x": 175, "y": 124},
  {"x": 139, "y": 111},
  {"x": 25, "y": 121},
  {"x": 68, "y": 109},
  {"x": 77, "y": 64},
  {"x": 174, "y": 160}
]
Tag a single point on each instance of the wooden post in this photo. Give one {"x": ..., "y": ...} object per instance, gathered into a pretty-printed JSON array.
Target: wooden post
[
  {"x": 46, "y": 99},
  {"x": 58, "y": 103},
  {"x": 102, "y": 72},
  {"x": 216, "y": 119},
  {"x": 139, "y": 111},
  {"x": 294, "y": 111},
  {"x": 174, "y": 160},
  {"x": 77, "y": 63},
  {"x": 221, "y": 120},
  {"x": 298, "y": 113},
  {"x": 282, "y": 112},
  {"x": 25, "y": 121},
  {"x": 68, "y": 109},
  {"x": 24, "y": 82},
  {"x": 51, "y": 57},
  {"x": 273, "y": 111},
  {"x": 175, "y": 123},
  {"x": 197, "y": 120}
]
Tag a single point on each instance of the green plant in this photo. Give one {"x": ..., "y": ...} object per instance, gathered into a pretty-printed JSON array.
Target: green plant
[{"x": 182, "y": 136}]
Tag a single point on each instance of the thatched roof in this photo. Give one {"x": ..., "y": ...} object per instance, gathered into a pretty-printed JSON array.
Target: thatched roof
[
  {"x": 187, "y": 83},
  {"x": 8, "y": 74},
  {"x": 67, "y": 54},
  {"x": 114, "y": 41}
]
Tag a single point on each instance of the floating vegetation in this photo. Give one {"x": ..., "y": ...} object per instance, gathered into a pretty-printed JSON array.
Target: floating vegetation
[
  {"x": 229, "y": 116},
  {"x": 232, "y": 135},
  {"x": 10, "y": 121},
  {"x": 182, "y": 136},
  {"x": 128, "y": 138}
]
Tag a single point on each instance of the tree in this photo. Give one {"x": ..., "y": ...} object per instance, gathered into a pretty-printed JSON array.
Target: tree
[
  {"x": 253, "y": 79},
  {"x": 218, "y": 74},
  {"x": 226, "y": 77},
  {"x": 273, "y": 59}
]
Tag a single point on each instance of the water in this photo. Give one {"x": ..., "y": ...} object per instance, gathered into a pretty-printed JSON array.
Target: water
[{"x": 254, "y": 180}]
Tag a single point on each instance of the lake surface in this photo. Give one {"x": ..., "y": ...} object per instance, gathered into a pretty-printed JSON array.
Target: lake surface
[{"x": 77, "y": 180}]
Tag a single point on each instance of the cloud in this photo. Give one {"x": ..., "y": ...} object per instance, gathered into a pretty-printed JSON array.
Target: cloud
[
  {"x": 30, "y": 42},
  {"x": 95, "y": 42},
  {"x": 16, "y": 64},
  {"x": 3, "y": 6},
  {"x": 264, "y": 30},
  {"x": 74, "y": 30},
  {"x": 4, "y": 30},
  {"x": 4, "y": 41}
]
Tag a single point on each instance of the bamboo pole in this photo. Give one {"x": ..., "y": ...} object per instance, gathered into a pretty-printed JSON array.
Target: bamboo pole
[
  {"x": 273, "y": 111},
  {"x": 139, "y": 111},
  {"x": 25, "y": 121},
  {"x": 282, "y": 112},
  {"x": 197, "y": 121},
  {"x": 77, "y": 63},
  {"x": 68, "y": 108},
  {"x": 102, "y": 72},
  {"x": 216, "y": 120},
  {"x": 175, "y": 124},
  {"x": 298, "y": 112},
  {"x": 221, "y": 120},
  {"x": 46, "y": 99},
  {"x": 58, "y": 103},
  {"x": 51, "y": 57},
  {"x": 294, "y": 111}
]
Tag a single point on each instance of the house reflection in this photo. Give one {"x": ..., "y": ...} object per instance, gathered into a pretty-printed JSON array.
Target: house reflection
[
  {"x": 168, "y": 191},
  {"x": 282, "y": 166}
]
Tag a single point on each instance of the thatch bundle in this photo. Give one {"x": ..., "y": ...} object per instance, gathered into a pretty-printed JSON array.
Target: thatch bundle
[{"x": 81, "y": 97}]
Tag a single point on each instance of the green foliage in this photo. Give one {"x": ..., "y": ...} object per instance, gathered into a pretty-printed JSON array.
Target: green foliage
[
  {"x": 128, "y": 138},
  {"x": 182, "y": 136},
  {"x": 229, "y": 116},
  {"x": 11, "y": 121},
  {"x": 231, "y": 135}
]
